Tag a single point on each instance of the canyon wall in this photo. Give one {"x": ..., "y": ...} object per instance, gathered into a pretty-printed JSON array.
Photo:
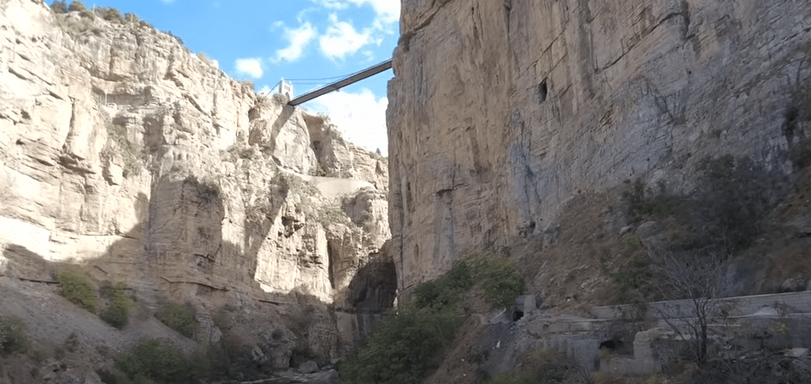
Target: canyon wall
[
  {"x": 124, "y": 153},
  {"x": 504, "y": 113}
]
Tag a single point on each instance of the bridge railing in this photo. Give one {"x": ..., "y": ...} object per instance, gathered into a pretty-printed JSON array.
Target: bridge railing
[{"x": 368, "y": 72}]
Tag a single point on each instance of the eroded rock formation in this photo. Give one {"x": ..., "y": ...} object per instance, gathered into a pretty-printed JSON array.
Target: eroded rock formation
[
  {"x": 124, "y": 153},
  {"x": 506, "y": 117}
]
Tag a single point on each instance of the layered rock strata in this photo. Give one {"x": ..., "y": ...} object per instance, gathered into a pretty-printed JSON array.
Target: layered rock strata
[
  {"x": 126, "y": 154},
  {"x": 502, "y": 113}
]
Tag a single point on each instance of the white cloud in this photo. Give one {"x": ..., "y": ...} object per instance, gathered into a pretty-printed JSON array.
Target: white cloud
[
  {"x": 251, "y": 67},
  {"x": 341, "y": 39},
  {"x": 332, "y": 4},
  {"x": 360, "y": 116},
  {"x": 298, "y": 39},
  {"x": 386, "y": 11}
]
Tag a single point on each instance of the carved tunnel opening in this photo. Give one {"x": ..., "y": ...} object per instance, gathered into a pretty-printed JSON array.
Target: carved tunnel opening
[
  {"x": 609, "y": 344},
  {"x": 517, "y": 315},
  {"x": 616, "y": 347}
]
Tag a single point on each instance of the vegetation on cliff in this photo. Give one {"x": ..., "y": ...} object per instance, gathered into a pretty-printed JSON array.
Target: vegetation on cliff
[
  {"x": 77, "y": 287},
  {"x": 179, "y": 317},
  {"x": 406, "y": 345},
  {"x": 116, "y": 312},
  {"x": 156, "y": 361},
  {"x": 13, "y": 337}
]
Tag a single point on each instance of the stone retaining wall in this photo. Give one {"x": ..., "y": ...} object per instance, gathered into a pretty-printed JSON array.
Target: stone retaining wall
[{"x": 771, "y": 322}]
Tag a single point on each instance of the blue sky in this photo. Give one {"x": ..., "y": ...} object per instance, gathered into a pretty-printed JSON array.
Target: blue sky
[{"x": 266, "y": 40}]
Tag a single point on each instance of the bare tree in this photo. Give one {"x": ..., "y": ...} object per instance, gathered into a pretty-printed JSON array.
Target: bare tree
[{"x": 700, "y": 278}]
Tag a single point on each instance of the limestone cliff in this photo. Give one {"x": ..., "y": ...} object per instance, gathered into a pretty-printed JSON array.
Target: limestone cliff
[
  {"x": 124, "y": 153},
  {"x": 514, "y": 125}
]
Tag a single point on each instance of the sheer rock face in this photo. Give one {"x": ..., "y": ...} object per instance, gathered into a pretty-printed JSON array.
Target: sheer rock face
[
  {"x": 123, "y": 152},
  {"x": 501, "y": 112}
]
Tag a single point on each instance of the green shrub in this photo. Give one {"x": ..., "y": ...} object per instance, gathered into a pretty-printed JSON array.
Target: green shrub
[
  {"x": 59, "y": 6},
  {"x": 220, "y": 319},
  {"x": 478, "y": 358},
  {"x": 179, "y": 317},
  {"x": 115, "y": 316},
  {"x": 207, "y": 190},
  {"x": 295, "y": 184},
  {"x": 117, "y": 310},
  {"x": 330, "y": 214},
  {"x": 77, "y": 6},
  {"x": 632, "y": 242},
  {"x": 643, "y": 204},
  {"x": 177, "y": 38},
  {"x": 156, "y": 360},
  {"x": 119, "y": 144},
  {"x": 245, "y": 153},
  {"x": 110, "y": 14},
  {"x": 404, "y": 347},
  {"x": 78, "y": 288},
  {"x": 446, "y": 290},
  {"x": 499, "y": 279},
  {"x": 724, "y": 212},
  {"x": 131, "y": 17},
  {"x": 145, "y": 24},
  {"x": 630, "y": 272},
  {"x": 87, "y": 18},
  {"x": 13, "y": 337},
  {"x": 630, "y": 278},
  {"x": 733, "y": 198}
]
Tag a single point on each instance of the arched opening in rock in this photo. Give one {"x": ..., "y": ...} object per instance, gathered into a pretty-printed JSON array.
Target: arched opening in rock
[
  {"x": 298, "y": 358},
  {"x": 517, "y": 315},
  {"x": 374, "y": 287},
  {"x": 542, "y": 91},
  {"x": 609, "y": 344},
  {"x": 616, "y": 347},
  {"x": 372, "y": 293}
]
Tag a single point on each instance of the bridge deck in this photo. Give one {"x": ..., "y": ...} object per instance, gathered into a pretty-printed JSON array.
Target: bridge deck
[{"x": 368, "y": 72}]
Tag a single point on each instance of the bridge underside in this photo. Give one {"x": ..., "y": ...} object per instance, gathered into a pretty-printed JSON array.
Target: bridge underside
[{"x": 368, "y": 72}]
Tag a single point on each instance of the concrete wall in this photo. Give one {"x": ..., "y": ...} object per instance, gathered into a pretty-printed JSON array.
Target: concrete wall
[
  {"x": 784, "y": 303},
  {"x": 771, "y": 322}
]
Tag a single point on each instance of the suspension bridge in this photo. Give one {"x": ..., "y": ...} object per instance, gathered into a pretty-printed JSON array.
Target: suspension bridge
[{"x": 287, "y": 88}]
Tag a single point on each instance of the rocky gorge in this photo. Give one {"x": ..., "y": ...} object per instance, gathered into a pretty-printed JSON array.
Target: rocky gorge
[
  {"x": 580, "y": 141},
  {"x": 556, "y": 108},
  {"x": 586, "y": 141},
  {"x": 139, "y": 162}
]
